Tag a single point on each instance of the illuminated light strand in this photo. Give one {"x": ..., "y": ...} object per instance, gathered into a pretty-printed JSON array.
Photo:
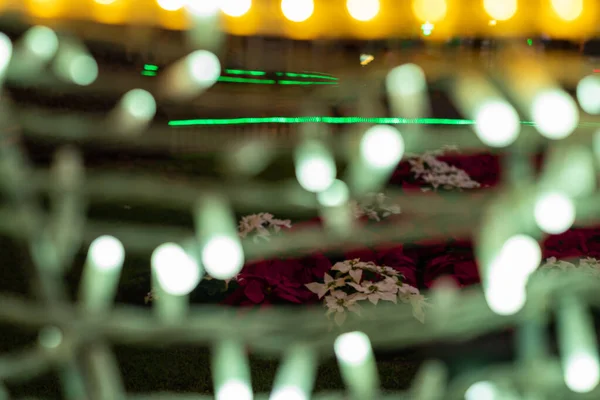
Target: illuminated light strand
[{"x": 339, "y": 120}]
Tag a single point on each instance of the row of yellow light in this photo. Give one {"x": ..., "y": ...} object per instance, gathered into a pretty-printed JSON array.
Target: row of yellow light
[{"x": 365, "y": 10}]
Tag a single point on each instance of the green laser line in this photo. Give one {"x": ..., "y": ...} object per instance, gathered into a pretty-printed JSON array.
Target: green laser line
[
  {"x": 340, "y": 120},
  {"x": 288, "y": 82},
  {"x": 246, "y": 80},
  {"x": 148, "y": 73},
  {"x": 297, "y": 75},
  {"x": 244, "y": 72},
  {"x": 150, "y": 67}
]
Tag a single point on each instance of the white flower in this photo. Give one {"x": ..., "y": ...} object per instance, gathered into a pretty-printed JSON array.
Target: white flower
[
  {"x": 439, "y": 173},
  {"x": 375, "y": 206},
  {"x": 375, "y": 291},
  {"x": 261, "y": 225},
  {"x": 321, "y": 289},
  {"x": 410, "y": 294},
  {"x": 337, "y": 303},
  {"x": 389, "y": 271},
  {"x": 354, "y": 268}
]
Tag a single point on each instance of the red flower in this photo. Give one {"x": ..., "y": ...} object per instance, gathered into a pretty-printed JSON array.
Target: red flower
[
  {"x": 264, "y": 290},
  {"x": 577, "y": 242},
  {"x": 459, "y": 264},
  {"x": 301, "y": 270}
]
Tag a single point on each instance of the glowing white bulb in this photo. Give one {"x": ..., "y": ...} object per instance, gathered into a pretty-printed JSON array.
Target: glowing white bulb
[
  {"x": 430, "y": 10},
  {"x": 106, "y": 253},
  {"x": 363, "y": 10},
  {"x": 204, "y": 68},
  {"x": 500, "y": 10},
  {"x": 568, "y": 10},
  {"x": 505, "y": 299},
  {"x": 223, "y": 257},
  {"x": 140, "y": 104},
  {"x": 588, "y": 94},
  {"x": 288, "y": 393},
  {"x": 315, "y": 174},
  {"x": 204, "y": 8},
  {"x": 234, "y": 390},
  {"x": 406, "y": 80},
  {"x": 555, "y": 114},
  {"x": 171, "y": 5},
  {"x": 297, "y": 10},
  {"x": 521, "y": 254},
  {"x": 554, "y": 213},
  {"x": 482, "y": 391},
  {"x": 382, "y": 146},
  {"x": 83, "y": 70},
  {"x": 335, "y": 195},
  {"x": 176, "y": 271},
  {"x": 582, "y": 373},
  {"x": 236, "y": 8},
  {"x": 42, "y": 42},
  {"x": 6, "y": 49},
  {"x": 497, "y": 124},
  {"x": 352, "y": 348}
]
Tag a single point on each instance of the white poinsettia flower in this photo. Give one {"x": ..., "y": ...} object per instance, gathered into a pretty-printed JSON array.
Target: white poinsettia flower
[
  {"x": 261, "y": 226},
  {"x": 416, "y": 300},
  {"x": 321, "y": 289},
  {"x": 440, "y": 174},
  {"x": 389, "y": 271},
  {"x": 375, "y": 291},
  {"x": 354, "y": 268},
  {"x": 375, "y": 206},
  {"x": 337, "y": 303}
]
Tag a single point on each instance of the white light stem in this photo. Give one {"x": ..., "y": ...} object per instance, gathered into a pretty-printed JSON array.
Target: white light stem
[
  {"x": 229, "y": 364},
  {"x": 569, "y": 169},
  {"x": 206, "y": 32},
  {"x": 360, "y": 377},
  {"x": 34, "y": 50},
  {"x": 298, "y": 370},
  {"x": 168, "y": 307},
  {"x": 214, "y": 217},
  {"x": 431, "y": 381},
  {"x": 577, "y": 342},
  {"x": 189, "y": 77},
  {"x": 98, "y": 286}
]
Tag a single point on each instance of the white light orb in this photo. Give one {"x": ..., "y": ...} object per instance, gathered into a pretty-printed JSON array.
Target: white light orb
[
  {"x": 106, "y": 253},
  {"x": 6, "y": 49},
  {"x": 204, "y": 68},
  {"x": 554, "y": 213},
  {"x": 42, "y": 42},
  {"x": 506, "y": 299},
  {"x": 177, "y": 273},
  {"x": 382, "y": 146},
  {"x": 140, "y": 104},
  {"x": 430, "y": 10},
  {"x": 497, "y": 124},
  {"x": 288, "y": 393},
  {"x": 315, "y": 174},
  {"x": 204, "y": 8},
  {"x": 582, "y": 373},
  {"x": 482, "y": 391},
  {"x": 363, "y": 10},
  {"x": 235, "y": 8},
  {"x": 297, "y": 10},
  {"x": 500, "y": 10},
  {"x": 335, "y": 195},
  {"x": 568, "y": 10},
  {"x": 83, "y": 70},
  {"x": 352, "y": 348},
  {"x": 234, "y": 389},
  {"x": 521, "y": 255},
  {"x": 223, "y": 257},
  {"x": 406, "y": 80},
  {"x": 588, "y": 94},
  {"x": 171, "y": 5},
  {"x": 555, "y": 114}
]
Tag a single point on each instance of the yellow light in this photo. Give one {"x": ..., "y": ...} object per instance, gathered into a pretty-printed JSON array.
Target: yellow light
[
  {"x": 568, "y": 10},
  {"x": 363, "y": 10},
  {"x": 297, "y": 10},
  {"x": 105, "y": 2},
  {"x": 430, "y": 10},
  {"x": 236, "y": 8},
  {"x": 500, "y": 10},
  {"x": 170, "y": 5}
]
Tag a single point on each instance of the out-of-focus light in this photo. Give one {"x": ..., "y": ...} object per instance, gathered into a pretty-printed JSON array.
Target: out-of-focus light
[
  {"x": 6, "y": 49},
  {"x": 297, "y": 10},
  {"x": 204, "y": 67},
  {"x": 288, "y": 393},
  {"x": 366, "y": 59},
  {"x": 529, "y": 42},
  {"x": 555, "y": 114},
  {"x": 554, "y": 213},
  {"x": 430, "y": 10},
  {"x": 582, "y": 373},
  {"x": 177, "y": 273},
  {"x": 406, "y": 80},
  {"x": 521, "y": 255},
  {"x": 105, "y": 2},
  {"x": 50, "y": 337},
  {"x": 106, "y": 253},
  {"x": 171, "y": 5},
  {"x": 497, "y": 124},
  {"x": 335, "y": 195},
  {"x": 482, "y": 391},
  {"x": 427, "y": 28},
  {"x": 588, "y": 94},
  {"x": 315, "y": 167},
  {"x": 568, "y": 10},
  {"x": 500, "y": 10},
  {"x": 505, "y": 300},
  {"x": 234, "y": 390},
  {"x": 492, "y": 22},
  {"x": 352, "y": 348},
  {"x": 140, "y": 104},
  {"x": 42, "y": 42},
  {"x": 363, "y": 10},
  {"x": 235, "y": 8},
  {"x": 223, "y": 257},
  {"x": 382, "y": 146},
  {"x": 203, "y": 8}
]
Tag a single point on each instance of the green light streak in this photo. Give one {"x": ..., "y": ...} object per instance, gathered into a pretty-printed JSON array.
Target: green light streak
[
  {"x": 148, "y": 73},
  {"x": 150, "y": 67},
  {"x": 244, "y": 72},
  {"x": 246, "y": 80},
  {"x": 285, "y": 82},
  {"x": 340, "y": 120},
  {"x": 297, "y": 75}
]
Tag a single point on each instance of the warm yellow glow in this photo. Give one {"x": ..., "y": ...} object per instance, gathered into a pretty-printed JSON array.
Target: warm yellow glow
[
  {"x": 430, "y": 10},
  {"x": 568, "y": 10},
  {"x": 235, "y": 8},
  {"x": 500, "y": 10},
  {"x": 45, "y": 8},
  {"x": 105, "y": 1},
  {"x": 363, "y": 10},
  {"x": 297, "y": 10},
  {"x": 170, "y": 5}
]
